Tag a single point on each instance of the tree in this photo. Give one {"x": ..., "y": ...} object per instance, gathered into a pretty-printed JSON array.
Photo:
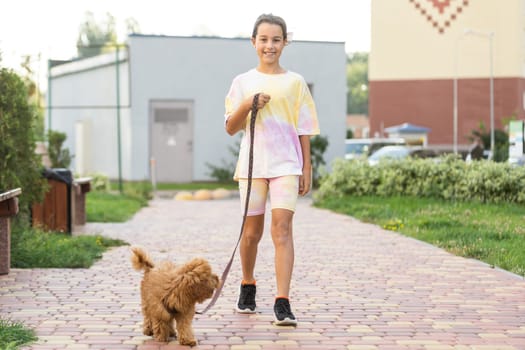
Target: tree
[
  {"x": 96, "y": 38},
  {"x": 19, "y": 165},
  {"x": 59, "y": 157},
  {"x": 132, "y": 25},
  {"x": 501, "y": 142},
  {"x": 34, "y": 95},
  {"x": 357, "y": 83}
]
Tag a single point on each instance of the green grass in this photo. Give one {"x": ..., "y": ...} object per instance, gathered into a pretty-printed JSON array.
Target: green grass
[
  {"x": 493, "y": 233},
  {"x": 14, "y": 334},
  {"x": 110, "y": 207},
  {"x": 31, "y": 248}
]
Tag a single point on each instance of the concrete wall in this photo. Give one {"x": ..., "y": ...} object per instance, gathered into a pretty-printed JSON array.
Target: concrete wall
[
  {"x": 201, "y": 70},
  {"x": 85, "y": 92},
  {"x": 197, "y": 69}
]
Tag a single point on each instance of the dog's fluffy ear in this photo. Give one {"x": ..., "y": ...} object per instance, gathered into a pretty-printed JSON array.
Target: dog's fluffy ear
[{"x": 197, "y": 279}]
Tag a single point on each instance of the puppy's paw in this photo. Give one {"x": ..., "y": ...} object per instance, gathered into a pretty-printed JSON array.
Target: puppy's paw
[
  {"x": 190, "y": 342},
  {"x": 161, "y": 339}
]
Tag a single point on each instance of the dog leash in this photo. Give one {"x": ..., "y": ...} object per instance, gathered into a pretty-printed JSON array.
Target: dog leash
[{"x": 248, "y": 190}]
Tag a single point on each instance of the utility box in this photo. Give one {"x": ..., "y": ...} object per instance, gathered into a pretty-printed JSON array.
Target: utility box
[{"x": 55, "y": 212}]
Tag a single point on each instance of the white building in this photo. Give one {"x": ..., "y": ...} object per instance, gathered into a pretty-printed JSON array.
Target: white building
[{"x": 159, "y": 108}]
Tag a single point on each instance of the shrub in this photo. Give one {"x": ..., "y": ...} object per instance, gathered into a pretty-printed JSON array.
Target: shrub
[
  {"x": 447, "y": 178},
  {"x": 100, "y": 182},
  {"x": 59, "y": 157},
  {"x": 318, "y": 145},
  {"x": 19, "y": 165},
  {"x": 225, "y": 172}
]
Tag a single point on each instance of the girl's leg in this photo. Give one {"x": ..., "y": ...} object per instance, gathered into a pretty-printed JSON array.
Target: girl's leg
[
  {"x": 252, "y": 233},
  {"x": 283, "y": 195},
  {"x": 282, "y": 237},
  {"x": 254, "y": 225}
]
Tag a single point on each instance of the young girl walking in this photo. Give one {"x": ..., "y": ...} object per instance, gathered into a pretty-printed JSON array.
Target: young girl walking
[{"x": 286, "y": 119}]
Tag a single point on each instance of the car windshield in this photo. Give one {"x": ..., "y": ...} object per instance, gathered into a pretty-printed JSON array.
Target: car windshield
[
  {"x": 356, "y": 148},
  {"x": 394, "y": 152}
]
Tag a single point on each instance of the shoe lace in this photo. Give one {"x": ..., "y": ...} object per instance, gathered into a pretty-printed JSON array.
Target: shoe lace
[{"x": 283, "y": 307}]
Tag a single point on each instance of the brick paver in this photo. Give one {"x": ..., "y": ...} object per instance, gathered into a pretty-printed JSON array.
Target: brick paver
[{"x": 355, "y": 287}]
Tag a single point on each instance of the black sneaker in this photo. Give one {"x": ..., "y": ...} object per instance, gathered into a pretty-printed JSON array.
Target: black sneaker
[
  {"x": 246, "y": 302},
  {"x": 283, "y": 313}
]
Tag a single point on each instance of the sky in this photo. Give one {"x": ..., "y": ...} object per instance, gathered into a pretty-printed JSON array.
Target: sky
[{"x": 49, "y": 29}]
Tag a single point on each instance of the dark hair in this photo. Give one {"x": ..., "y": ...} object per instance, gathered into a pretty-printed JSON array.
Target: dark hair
[{"x": 272, "y": 19}]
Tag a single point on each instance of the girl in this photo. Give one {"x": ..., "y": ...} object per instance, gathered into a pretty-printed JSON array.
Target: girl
[{"x": 282, "y": 167}]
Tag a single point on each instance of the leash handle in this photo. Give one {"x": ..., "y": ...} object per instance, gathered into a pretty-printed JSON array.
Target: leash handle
[{"x": 247, "y": 202}]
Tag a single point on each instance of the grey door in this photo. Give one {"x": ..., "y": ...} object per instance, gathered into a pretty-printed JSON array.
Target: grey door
[{"x": 171, "y": 135}]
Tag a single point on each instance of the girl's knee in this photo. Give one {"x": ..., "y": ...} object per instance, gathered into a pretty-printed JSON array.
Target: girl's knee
[
  {"x": 282, "y": 232},
  {"x": 250, "y": 238}
]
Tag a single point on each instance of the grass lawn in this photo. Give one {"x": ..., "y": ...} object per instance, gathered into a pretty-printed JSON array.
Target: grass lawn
[
  {"x": 14, "y": 334},
  {"x": 32, "y": 248},
  {"x": 493, "y": 233},
  {"x": 111, "y": 207}
]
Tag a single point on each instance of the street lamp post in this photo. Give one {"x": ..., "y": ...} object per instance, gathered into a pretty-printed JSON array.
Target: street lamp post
[
  {"x": 492, "y": 140},
  {"x": 490, "y": 36},
  {"x": 455, "y": 93}
]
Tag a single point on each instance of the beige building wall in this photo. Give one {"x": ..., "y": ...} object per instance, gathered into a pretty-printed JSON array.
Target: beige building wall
[{"x": 413, "y": 39}]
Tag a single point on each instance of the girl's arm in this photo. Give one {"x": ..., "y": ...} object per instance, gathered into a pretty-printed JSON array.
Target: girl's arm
[
  {"x": 305, "y": 180},
  {"x": 237, "y": 120}
]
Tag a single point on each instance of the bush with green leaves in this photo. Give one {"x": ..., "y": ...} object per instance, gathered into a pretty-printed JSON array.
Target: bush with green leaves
[
  {"x": 225, "y": 171},
  {"x": 99, "y": 182},
  {"x": 318, "y": 145},
  {"x": 60, "y": 157},
  {"x": 447, "y": 177},
  {"x": 19, "y": 165}
]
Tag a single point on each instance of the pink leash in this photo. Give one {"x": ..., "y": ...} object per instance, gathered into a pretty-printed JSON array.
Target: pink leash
[{"x": 250, "y": 170}]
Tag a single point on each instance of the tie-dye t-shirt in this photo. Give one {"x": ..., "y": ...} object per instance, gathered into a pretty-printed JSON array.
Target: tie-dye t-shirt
[{"x": 291, "y": 112}]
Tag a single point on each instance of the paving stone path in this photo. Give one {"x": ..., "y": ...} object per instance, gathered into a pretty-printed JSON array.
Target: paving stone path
[{"x": 356, "y": 286}]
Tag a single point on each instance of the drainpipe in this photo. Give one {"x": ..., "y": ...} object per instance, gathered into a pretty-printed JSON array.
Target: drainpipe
[
  {"x": 48, "y": 95},
  {"x": 118, "y": 120}
]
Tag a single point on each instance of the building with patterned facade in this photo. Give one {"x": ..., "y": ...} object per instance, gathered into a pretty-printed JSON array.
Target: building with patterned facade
[{"x": 421, "y": 48}]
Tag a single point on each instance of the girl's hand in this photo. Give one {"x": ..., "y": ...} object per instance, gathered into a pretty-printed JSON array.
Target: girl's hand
[
  {"x": 305, "y": 182},
  {"x": 263, "y": 100}
]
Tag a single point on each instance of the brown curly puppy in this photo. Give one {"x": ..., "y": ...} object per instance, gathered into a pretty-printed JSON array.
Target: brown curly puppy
[{"x": 169, "y": 292}]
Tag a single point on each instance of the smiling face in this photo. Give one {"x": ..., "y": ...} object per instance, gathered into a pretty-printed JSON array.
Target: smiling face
[{"x": 269, "y": 43}]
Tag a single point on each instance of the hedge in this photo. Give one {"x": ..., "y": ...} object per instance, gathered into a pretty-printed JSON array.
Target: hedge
[{"x": 447, "y": 177}]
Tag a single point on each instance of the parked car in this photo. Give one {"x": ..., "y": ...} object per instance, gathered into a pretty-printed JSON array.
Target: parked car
[
  {"x": 517, "y": 161},
  {"x": 362, "y": 148},
  {"x": 400, "y": 152}
]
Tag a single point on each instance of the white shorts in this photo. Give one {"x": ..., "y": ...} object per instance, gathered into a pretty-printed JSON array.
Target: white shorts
[{"x": 283, "y": 190}]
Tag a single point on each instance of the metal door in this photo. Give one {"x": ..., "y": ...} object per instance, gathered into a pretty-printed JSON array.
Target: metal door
[{"x": 171, "y": 135}]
